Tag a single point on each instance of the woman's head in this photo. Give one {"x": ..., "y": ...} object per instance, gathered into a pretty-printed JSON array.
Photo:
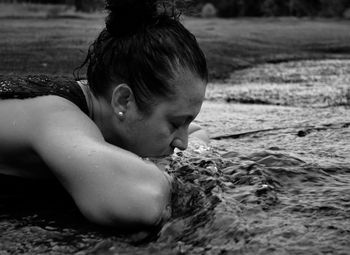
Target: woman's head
[
  {"x": 143, "y": 45},
  {"x": 151, "y": 73},
  {"x": 166, "y": 127}
]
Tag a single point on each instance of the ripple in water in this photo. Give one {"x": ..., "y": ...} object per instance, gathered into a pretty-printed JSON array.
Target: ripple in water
[{"x": 266, "y": 202}]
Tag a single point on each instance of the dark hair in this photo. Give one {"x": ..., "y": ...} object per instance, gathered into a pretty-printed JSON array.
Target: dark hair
[{"x": 142, "y": 45}]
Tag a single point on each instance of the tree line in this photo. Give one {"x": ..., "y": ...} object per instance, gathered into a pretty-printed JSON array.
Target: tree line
[
  {"x": 80, "y": 5},
  {"x": 259, "y": 8},
  {"x": 234, "y": 8}
]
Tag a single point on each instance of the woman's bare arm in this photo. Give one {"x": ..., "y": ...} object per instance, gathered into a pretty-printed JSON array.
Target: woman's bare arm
[{"x": 111, "y": 186}]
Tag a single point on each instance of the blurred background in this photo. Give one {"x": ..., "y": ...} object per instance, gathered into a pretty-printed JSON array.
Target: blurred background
[
  {"x": 229, "y": 8},
  {"x": 53, "y": 36}
]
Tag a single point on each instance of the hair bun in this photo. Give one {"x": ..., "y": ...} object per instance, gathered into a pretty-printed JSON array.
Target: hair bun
[{"x": 126, "y": 16}]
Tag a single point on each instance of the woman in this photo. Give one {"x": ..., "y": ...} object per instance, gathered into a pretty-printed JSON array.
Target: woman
[{"x": 146, "y": 80}]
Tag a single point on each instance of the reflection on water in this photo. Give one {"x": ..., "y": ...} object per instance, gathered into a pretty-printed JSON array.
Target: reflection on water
[{"x": 279, "y": 183}]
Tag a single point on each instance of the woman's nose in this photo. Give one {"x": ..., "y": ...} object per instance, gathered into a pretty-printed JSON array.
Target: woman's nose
[{"x": 181, "y": 141}]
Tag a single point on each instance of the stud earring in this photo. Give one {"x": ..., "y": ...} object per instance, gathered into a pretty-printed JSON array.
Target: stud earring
[{"x": 120, "y": 114}]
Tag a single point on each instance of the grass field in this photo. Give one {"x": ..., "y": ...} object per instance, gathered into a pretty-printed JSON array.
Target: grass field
[{"x": 52, "y": 41}]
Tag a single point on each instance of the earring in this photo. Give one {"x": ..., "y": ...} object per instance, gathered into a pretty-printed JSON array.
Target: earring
[{"x": 120, "y": 114}]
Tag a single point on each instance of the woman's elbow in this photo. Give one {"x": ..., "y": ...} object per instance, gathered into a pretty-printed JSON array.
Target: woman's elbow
[{"x": 154, "y": 210}]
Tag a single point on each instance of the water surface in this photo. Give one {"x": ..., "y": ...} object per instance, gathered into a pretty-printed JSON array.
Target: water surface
[{"x": 274, "y": 180}]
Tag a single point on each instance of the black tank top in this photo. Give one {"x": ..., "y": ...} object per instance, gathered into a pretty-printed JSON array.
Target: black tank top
[{"x": 15, "y": 87}]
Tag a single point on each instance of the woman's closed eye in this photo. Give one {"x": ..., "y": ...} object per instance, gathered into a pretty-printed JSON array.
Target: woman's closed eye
[
  {"x": 178, "y": 123},
  {"x": 175, "y": 126}
]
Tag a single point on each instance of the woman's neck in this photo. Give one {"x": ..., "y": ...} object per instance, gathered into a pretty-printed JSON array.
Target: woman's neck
[{"x": 99, "y": 109}]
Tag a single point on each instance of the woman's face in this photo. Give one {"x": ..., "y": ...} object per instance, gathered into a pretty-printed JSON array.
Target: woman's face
[{"x": 166, "y": 128}]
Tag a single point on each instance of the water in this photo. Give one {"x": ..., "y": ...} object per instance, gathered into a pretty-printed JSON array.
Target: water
[
  {"x": 275, "y": 179},
  {"x": 266, "y": 202}
]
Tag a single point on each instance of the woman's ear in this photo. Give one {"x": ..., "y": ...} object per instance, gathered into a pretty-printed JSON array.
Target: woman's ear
[{"x": 122, "y": 97}]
